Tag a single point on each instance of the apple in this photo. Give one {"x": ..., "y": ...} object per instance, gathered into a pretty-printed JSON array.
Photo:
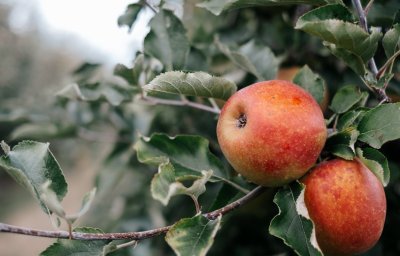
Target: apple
[
  {"x": 347, "y": 204},
  {"x": 271, "y": 132}
]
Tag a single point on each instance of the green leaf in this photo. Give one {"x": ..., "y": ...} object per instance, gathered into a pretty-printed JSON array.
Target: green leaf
[
  {"x": 226, "y": 195},
  {"x": 31, "y": 164},
  {"x": 85, "y": 72},
  {"x": 66, "y": 247},
  {"x": 254, "y": 58},
  {"x": 166, "y": 184},
  {"x": 193, "y": 236},
  {"x": 292, "y": 224},
  {"x": 333, "y": 23},
  {"x": 218, "y": 6},
  {"x": 376, "y": 162},
  {"x": 191, "y": 84},
  {"x": 342, "y": 144},
  {"x": 311, "y": 82},
  {"x": 354, "y": 61},
  {"x": 391, "y": 40},
  {"x": 49, "y": 197},
  {"x": 167, "y": 41},
  {"x": 345, "y": 98},
  {"x": 188, "y": 154},
  {"x": 129, "y": 17},
  {"x": 85, "y": 206},
  {"x": 351, "y": 118},
  {"x": 380, "y": 124},
  {"x": 113, "y": 93},
  {"x": 39, "y": 131},
  {"x": 131, "y": 75}
]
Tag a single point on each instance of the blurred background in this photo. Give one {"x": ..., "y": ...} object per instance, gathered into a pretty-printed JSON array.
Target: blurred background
[{"x": 41, "y": 43}]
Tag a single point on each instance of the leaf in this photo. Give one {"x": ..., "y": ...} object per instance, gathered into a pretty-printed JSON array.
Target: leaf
[
  {"x": 354, "y": 61},
  {"x": 167, "y": 41},
  {"x": 49, "y": 197},
  {"x": 129, "y": 17},
  {"x": 380, "y": 124},
  {"x": 193, "y": 236},
  {"x": 166, "y": 184},
  {"x": 188, "y": 154},
  {"x": 227, "y": 194},
  {"x": 351, "y": 118},
  {"x": 66, "y": 247},
  {"x": 311, "y": 82},
  {"x": 391, "y": 40},
  {"x": 131, "y": 75},
  {"x": 31, "y": 164},
  {"x": 114, "y": 94},
  {"x": 218, "y": 6},
  {"x": 38, "y": 131},
  {"x": 342, "y": 143},
  {"x": 253, "y": 58},
  {"x": 292, "y": 224},
  {"x": 85, "y": 206},
  {"x": 85, "y": 72},
  {"x": 345, "y": 98},
  {"x": 333, "y": 23},
  {"x": 376, "y": 162},
  {"x": 191, "y": 84}
]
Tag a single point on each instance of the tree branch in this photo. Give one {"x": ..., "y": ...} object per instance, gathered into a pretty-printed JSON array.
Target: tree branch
[
  {"x": 364, "y": 25},
  {"x": 157, "y": 101},
  {"x": 379, "y": 92},
  {"x": 141, "y": 235}
]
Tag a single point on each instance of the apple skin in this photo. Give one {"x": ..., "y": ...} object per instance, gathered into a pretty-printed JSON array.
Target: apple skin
[
  {"x": 271, "y": 132},
  {"x": 347, "y": 204}
]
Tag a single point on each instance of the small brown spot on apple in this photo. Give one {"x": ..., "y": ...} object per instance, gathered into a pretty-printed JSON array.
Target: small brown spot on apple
[{"x": 296, "y": 101}]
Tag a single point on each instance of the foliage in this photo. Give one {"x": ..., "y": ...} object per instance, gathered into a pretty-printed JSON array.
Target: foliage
[{"x": 161, "y": 112}]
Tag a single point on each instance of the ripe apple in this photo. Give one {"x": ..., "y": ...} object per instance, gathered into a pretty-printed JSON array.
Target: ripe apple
[
  {"x": 347, "y": 204},
  {"x": 271, "y": 132}
]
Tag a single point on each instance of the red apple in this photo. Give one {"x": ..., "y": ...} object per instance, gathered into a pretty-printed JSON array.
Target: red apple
[
  {"x": 347, "y": 204},
  {"x": 271, "y": 132}
]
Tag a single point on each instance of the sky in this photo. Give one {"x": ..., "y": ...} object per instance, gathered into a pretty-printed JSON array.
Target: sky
[{"x": 92, "y": 23}]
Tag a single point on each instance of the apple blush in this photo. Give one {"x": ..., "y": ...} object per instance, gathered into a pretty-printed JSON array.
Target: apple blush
[
  {"x": 347, "y": 205},
  {"x": 271, "y": 132}
]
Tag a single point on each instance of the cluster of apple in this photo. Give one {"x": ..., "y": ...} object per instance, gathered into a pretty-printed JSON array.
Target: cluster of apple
[{"x": 272, "y": 133}]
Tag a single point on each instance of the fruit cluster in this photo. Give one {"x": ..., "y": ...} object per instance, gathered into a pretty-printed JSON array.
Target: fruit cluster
[{"x": 272, "y": 133}]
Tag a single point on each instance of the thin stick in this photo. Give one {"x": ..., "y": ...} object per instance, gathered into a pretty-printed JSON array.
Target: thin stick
[
  {"x": 364, "y": 25},
  {"x": 157, "y": 101},
  {"x": 5, "y": 228},
  {"x": 150, "y": 6}
]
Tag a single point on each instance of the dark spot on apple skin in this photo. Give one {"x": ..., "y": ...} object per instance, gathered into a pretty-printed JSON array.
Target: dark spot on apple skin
[
  {"x": 296, "y": 100},
  {"x": 241, "y": 121}
]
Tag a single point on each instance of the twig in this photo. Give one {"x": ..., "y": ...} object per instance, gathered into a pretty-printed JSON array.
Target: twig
[
  {"x": 214, "y": 104},
  {"x": 364, "y": 25},
  {"x": 196, "y": 203},
  {"x": 146, "y": 3},
  {"x": 387, "y": 64},
  {"x": 368, "y": 7},
  {"x": 128, "y": 244},
  {"x": 5, "y": 228},
  {"x": 380, "y": 93},
  {"x": 157, "y": 101}
]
